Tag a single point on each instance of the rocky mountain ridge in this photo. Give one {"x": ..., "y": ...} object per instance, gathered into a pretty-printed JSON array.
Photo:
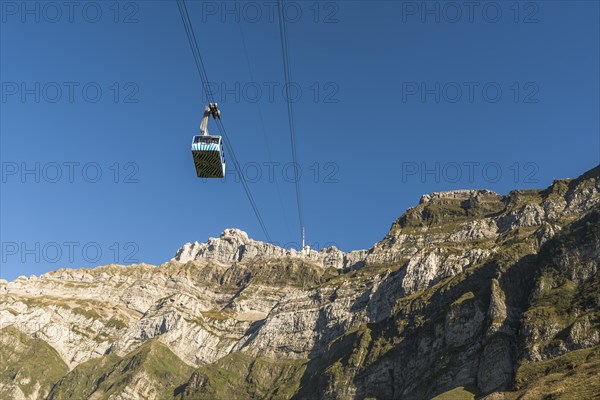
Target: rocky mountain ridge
[
  {"x": 234, "y": 245},
  {"x": 467, "y": 288}
]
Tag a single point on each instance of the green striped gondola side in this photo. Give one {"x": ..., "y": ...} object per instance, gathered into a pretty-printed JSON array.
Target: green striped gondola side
[{"x": 208, "y": 164}]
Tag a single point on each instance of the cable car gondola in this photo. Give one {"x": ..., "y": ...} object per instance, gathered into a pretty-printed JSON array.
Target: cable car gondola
[{"x": 207, "y": 150}]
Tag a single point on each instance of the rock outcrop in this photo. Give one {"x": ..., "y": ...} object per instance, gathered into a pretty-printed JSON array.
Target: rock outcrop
[{"x": 234, "y": 245}]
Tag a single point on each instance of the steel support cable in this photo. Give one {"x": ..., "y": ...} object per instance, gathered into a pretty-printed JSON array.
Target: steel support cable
[
  {"x": 189, "y": 30},
  {"x": 236, "y": 164},
  {"x": 288, "y": 79},
  {"x": 262, "y": 124}
]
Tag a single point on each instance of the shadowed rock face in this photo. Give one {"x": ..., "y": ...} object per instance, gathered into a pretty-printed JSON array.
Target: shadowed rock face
[{"x": 468, "y": 289}]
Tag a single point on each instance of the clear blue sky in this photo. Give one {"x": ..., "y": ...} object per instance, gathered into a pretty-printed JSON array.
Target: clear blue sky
[{"x": 389, "y": 89}]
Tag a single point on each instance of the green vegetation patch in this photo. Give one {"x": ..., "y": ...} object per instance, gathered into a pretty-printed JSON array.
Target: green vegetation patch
[
  {"x": 152, "y": 369},
  {"x": 30, "y": 364},
  {"x": 219, "y": 315},
  {"x": 465, "y": 297},
  {"x": 366, "y": 273},
  {"x": 459, "y": 393},
  {"x": 574, "y": 375},
  {"x": 241, "y": 376}
]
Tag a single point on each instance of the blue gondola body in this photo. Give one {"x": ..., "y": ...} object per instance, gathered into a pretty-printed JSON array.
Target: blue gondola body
[{"x": 209, "y": 158}]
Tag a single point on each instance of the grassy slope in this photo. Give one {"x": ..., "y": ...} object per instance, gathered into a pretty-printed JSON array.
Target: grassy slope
[
  {"x": 240, "y": 376},
  {"x": 459, "y": 393},
  {"x": 27, "y": 362},
  {"x": 575, "y": 375},
  {"x": 152, "y": 368}
]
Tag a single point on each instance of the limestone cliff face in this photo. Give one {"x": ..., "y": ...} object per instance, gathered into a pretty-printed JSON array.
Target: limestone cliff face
[
  {"x": 234, "y": 245},
  {"x": 468, "y": 288}
]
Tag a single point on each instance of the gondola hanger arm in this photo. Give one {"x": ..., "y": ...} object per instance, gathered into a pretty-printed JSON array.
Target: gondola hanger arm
[{"x": 210, "y": 110}]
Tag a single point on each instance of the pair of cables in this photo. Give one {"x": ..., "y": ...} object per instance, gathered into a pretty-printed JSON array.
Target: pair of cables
[
  {"x": 189, "y": 30},
  {"x": 290, "y": 108}
]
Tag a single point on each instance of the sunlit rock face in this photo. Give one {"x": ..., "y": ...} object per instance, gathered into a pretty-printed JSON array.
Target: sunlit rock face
[{"x": 234, "y": 245}]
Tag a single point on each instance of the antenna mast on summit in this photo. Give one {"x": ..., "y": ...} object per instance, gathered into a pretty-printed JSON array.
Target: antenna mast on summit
[{"x": 303, "y": 237}]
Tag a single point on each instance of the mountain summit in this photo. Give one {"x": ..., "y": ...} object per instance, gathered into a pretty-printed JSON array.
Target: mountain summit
[{"x": 469, "y": 294}]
